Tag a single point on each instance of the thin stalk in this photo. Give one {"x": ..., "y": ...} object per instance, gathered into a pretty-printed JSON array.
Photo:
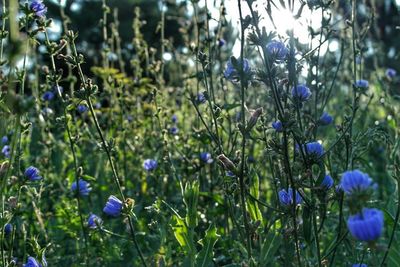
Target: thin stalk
[
  {"x": 243, "y": 158},
  {"x": 107, "y": 150},
  {"x": 72, "y": 148}
]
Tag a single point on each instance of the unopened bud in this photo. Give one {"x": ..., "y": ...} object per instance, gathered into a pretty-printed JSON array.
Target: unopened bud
[
  {"x": 228, "y": 164},
  {"x": 253, "y": 119},
  {"x": 4, "y": 167}
]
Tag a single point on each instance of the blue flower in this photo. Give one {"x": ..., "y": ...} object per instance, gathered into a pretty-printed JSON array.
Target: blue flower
[
  {"x": 113, "y": 206},
  {"x": 32, "y": 173},
  {"x": 230, "y": 174},
  {"x": 84, "y": 187},
  {"x": 327, "y": 183},
  {"x": 286, "y": 197},
  {"x": 231, "y": 73},
  {"x": 359, "y": 265},
  {"x": 278, "y": 126},
  {"x": 150, "y": 164},
  {"x": 48, "y": 96},
  {"x": 206, "y": 157},
  {"x": 362, "y": 84},
  {"x": 174, "y": 119},
  {"x": 314, "y": 149},
  {"x": 38, "y": 7},
  {"x": 391, "y": 73},
  {"x": 94, "y": 221},
  {"x": 8, "y": 229},
  {"x": 366, "y": 226},
  {"x": 32, "y": 262},
  {"x": 4, "y": 140},
  {"x": 82, "y": 108},
  {"x": 201, "y": 99},
  {"x": 355, "y": 181},
  {"x": 325, "y": 119},
  {"x": 301, "y": 93},
  {"x": 6, "y": 150},
  {"x": 174, "y": 130},
  {"x": 221, "y": 42},
  {"x": 277, "y": 50}
]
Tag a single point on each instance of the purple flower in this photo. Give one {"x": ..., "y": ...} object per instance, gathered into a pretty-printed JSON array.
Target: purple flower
[
  {"x": 32, "y": 262},
  {"x": 232, "y": 72},
  {"x": 286, "y": 197},
  {"x": 150, "y": 164},
  {"x": 48, "y": 96},
  {"x": 362, "y": 84},
  {"x": 8, "y": 229},
  {"x": 82, "y": 108},
  {"x": 94, "y": 221},
  {"x": 206, "y": 157},
  {"x": 314, "y": 149},
  {"x": 301, "y": 93},
  {"x": 325, "y": 119},
  {"x": 366, "y": 226},
  {"x": 391, "y": 73},
  {"x": 6, "y": 150},
  {"x": 277, "y": 50},
  {"x": 327, "y": 183},
  {"x": 174, "y": 118},
  {"x": 355, "y": 181},
  {"x": 32, "y": 173},
  {"x": 174, "y": 130},
  {"x": 4, "y": 140},
  {"x": 38, "y": 7},
  {"x": 278, "y": 126},
  {"x": 221, "y": 42},
  {"x": 113, "y": 206},
  {"x": 84, "y": 187},
  {"x": 201, "y": 99}
]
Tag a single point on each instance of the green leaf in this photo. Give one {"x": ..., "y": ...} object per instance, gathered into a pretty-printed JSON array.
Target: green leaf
[
  {"x": 253, "y": 208},
  {"x": 181, "y": 234},
  {"x": 269, "y": 248},
  {"x": 307, "y": 225},
  {"x": 205, "y": 256}
]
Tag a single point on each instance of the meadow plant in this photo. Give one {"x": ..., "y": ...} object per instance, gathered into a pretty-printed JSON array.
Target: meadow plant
[{"x": 199, "y": 133}]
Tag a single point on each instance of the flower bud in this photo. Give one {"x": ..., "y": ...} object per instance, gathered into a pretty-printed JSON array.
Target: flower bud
[{"x": 228, "y": 164}]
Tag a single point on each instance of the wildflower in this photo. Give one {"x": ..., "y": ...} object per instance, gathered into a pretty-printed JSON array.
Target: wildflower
[
  {"x": 201, "y": 98},
  {"x": 363, "y": 84},
  {"x": 8, "y": 229},
  {"x": 174, "y": 130},
  {"x": 32, "y": 173},
  {"x": 206, "y": 157},
  {"x": 38, "y": 7},
  {"x": 32, "y": 262},
  {"x": 355, "y": 181},
  {"x": 278, "y": 126},
  {"x": 150, "y": 164},
  {"x": 113, "y": 206},
  {"x": 48, "y": 96},
  {"x": 391, "y": 73},
  {"x": 174, "y": 119},
  {"x": 366, "y": 226},
  {"x": 286, "y": 197},
  {"x": 221, "y": 42},
  {"x": 314, "y": 149},
  {"x": 6, "y": 150},
  {"x": 230, "y": 174},
  {"x": 129, "y": 118},
  {"x": 94, "y": 221},
  {"x": 327, "y": 182},
  {"x": 84, "y": 187},
  {"x": 359, "y": 265},
  {"x": 301, "y": 93},
  {"x": 232, "y": 66},
  {"x": 4, "y": 140},
  {"x": 277, "y": 50},
  {"x": 82, "y": 108},
  {"x": 325, "y": 119}
]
